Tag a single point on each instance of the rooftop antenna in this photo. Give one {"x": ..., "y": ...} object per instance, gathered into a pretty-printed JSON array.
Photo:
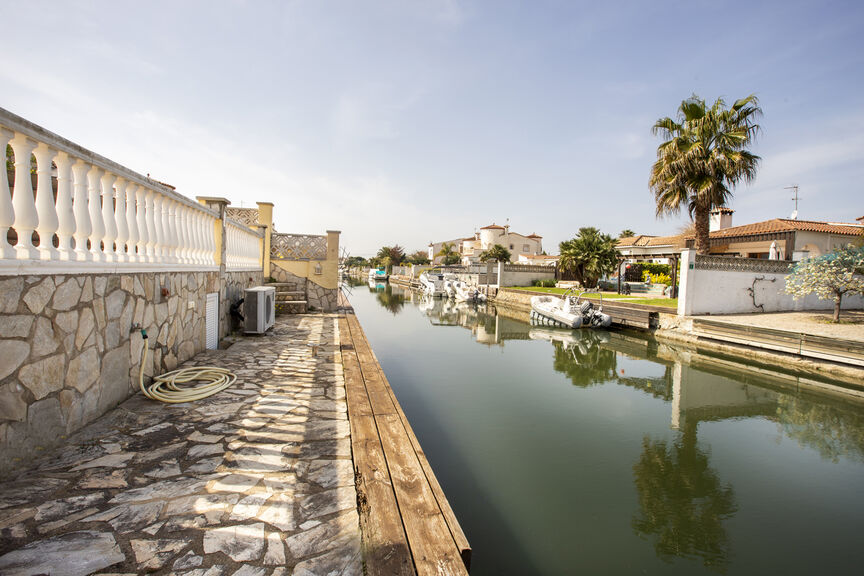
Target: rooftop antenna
[{"x": 794, "y": 215}]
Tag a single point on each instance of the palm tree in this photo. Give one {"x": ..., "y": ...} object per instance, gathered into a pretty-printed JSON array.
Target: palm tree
[
  {"x": 626, "y": 233},
  {"x": 703, "y": 157},
  {"x": 588, "y": 256},
  {"x": 390, "y": 256},
  {"x": 448, "y": 255},
  {"x": 497, "y": 253}
]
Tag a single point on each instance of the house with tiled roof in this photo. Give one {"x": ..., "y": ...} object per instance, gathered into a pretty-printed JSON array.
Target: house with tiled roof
[
  {"x": 793, "y": 239},
  {"x": 486, "y": 237}
]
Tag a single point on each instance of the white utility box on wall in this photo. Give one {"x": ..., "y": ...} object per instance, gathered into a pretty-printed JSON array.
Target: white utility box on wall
[{"x": 259, "y": 309}]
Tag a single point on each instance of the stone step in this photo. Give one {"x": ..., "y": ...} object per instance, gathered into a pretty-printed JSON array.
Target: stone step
[
  {"x": 283, "y": 296},
  {"x": 291, "y": 307}
]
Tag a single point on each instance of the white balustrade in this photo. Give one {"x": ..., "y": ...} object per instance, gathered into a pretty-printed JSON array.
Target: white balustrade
[
  {"x": 243, "y": 247},
  {"x": 103, "y": 217}
]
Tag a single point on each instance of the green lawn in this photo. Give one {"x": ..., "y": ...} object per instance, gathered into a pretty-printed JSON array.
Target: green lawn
[{"x": 634, "y": 299}]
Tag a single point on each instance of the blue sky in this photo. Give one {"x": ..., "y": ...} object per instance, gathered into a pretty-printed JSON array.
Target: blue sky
[{"x": 405, "y": 121}]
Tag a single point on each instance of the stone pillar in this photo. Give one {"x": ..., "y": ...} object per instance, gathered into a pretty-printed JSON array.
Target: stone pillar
[
  {"x": 45, "y": 208},
  {"x": 500, "y": 274},
  {"x": 265, "y": 223},
  {"x": 687, "y": 283},
  {"x": 333, "y": 244},
  {"x": 219, "y": 228}
]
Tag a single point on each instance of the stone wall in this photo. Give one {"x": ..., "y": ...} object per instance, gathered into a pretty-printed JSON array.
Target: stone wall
[
  {"x": 67, "y": 352},
  {"x": 317, "y": 297},
  {"x": 233, "y": 286}
]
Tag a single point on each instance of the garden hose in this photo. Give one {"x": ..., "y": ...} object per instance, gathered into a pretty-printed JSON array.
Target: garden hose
[{"x": 169, "y": 386}]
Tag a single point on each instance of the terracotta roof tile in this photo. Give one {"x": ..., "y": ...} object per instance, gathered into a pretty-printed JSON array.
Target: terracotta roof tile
[
  {"x": 492, "y": 226},
  {"x": 787, "y": 225}
]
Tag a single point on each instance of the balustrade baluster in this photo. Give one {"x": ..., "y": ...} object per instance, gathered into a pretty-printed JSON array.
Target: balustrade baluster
[
  {"x": 97, "y": 228},
  {"x": 132, "y": 223},
  {"x": 120, "y": 218},
  {"x": 150, "y": 226},
  {"x": 7, "y": 212},
  {"x": 45, "y": 209},
  {"x": 26, "y": 218},
  {"x": 172, "y": 233},
  {"x": 195, "y": 230},
  {"x": 80, "y": 208},
  {"x": 108, "y": 216},
  {"x": 159, "y": 228},
  {"x": 65, "y": 215},
  {"x": 185, "y": 242}
]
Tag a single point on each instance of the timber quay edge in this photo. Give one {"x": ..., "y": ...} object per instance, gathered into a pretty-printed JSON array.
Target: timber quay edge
[{"x": 407, "y": 523}]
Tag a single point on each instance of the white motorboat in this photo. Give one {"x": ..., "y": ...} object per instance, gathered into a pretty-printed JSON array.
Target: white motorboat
[
  {"x": 378, "y": 274},
  {"x": 464, "y": 292},
  {"x": 568, "y": 311},
  {"x": 432, "y": 283}
]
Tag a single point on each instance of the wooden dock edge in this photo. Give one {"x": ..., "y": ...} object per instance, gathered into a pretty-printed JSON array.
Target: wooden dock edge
[{"x": 408, "y": 524}]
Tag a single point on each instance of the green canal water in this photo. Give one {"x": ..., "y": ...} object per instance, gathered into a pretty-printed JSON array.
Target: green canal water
[{"x": 579, "y": 452}]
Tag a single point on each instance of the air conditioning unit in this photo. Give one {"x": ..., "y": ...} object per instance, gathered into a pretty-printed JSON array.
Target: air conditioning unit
[{"x": 259, "y": 309}]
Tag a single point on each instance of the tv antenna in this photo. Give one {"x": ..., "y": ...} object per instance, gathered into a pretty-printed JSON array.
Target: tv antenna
[{"x": 794, "y": 187}]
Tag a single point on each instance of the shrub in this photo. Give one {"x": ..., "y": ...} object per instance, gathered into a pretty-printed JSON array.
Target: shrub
[{"x": 544, "y": 283}]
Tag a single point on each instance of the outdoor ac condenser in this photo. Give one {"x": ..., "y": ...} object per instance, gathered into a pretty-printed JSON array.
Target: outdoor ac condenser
[{"x": 259, "y": 309}]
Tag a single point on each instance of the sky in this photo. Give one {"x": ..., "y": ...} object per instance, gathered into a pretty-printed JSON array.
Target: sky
[{"x": 410, "y": 121}]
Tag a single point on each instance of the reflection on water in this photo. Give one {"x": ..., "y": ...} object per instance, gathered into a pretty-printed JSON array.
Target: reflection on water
[
  {"x": 682, "y": 502},
  {"x": 692, "y": 511}
]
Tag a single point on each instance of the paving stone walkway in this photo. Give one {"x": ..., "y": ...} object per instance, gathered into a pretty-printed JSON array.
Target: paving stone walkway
[{"x": 257, "y": 480}]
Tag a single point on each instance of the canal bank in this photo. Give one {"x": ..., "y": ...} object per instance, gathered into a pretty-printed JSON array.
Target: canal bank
[{"x": 801, "y": 343}]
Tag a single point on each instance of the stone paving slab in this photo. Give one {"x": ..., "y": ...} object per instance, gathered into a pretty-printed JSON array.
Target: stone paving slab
[{"x": 256, "y": 480}]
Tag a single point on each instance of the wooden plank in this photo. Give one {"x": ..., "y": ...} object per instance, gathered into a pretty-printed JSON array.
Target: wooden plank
[
  {"x": 431, "y": 543},
  {"x": 455, "y": 544},
  {"x": 453, "y": 525},
  {"x": 355, "y": 388},
  {"x": 386, "y": 549},
  {"x": 381, "y": 401}
]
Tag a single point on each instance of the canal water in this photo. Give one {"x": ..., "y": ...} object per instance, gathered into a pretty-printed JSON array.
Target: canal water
[{"x": 580, "y": 452}]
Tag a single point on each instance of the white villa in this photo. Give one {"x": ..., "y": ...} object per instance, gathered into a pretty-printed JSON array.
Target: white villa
[
  {"x": 793, "y": 239},
  {"x": 521, "y": 247}
]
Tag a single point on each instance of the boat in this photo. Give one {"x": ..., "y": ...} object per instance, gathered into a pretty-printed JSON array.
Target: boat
[
  {"x": 378, "y": 274},
  {"x": 569, "y": 311},
  {"x": 432, "y": 283},
  {"x": 464, "y": 292}
]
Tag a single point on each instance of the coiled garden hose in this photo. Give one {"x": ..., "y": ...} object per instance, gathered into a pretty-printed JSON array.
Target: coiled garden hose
[{"x": 168, "y": 387}]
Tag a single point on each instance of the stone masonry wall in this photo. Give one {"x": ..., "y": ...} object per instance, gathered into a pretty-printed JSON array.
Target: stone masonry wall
[
  {"x": 317, "y": 297},
  {"x": 232, "y": 290},
  {"x": 67, "y": 354}
]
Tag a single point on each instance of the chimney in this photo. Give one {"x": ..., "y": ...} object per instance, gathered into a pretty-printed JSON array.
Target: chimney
[{"x": 720, "y": 218}]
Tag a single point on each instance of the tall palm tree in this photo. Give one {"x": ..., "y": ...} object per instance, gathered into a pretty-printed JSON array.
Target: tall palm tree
[
  {"x": 391, "y": 256},
  {"x": 703, "y": 157}
]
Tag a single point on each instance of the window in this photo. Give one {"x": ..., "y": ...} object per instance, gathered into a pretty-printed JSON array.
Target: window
[
  {"x": 511, "y": 246},
  {"x": 526, "y": 248}
]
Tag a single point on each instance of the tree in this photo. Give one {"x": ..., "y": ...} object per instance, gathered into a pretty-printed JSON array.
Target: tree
[
  {"x": 703, "y": 157},
  {"x": 496, "y": 253},
  {"x": 448, "y": 255},
  {"x": 626, "y": 233},
  {"x": 390, "y": 256},
  {"x": 419, "y": 258},
  {"x": 830, "y": 277},
  {"x": 588, "y": 256},
  {"x": 355, "y": 262}
]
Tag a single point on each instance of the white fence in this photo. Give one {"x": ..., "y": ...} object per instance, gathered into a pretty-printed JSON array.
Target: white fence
[
  {"x": 728, "y": 285},
  {"x": 90, "y": 214}
]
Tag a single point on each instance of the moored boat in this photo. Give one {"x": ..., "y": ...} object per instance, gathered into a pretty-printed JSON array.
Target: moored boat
[
  {"x": 378, "y": 274},
  {"x": 568, "y": 311},
  {"x": 432, "y": 283},
  {"x": 464, "y": 292}
]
